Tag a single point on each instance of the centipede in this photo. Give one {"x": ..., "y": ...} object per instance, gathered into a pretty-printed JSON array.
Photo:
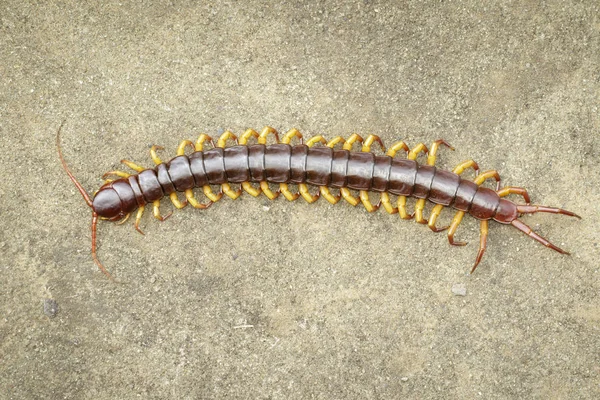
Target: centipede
[{"x": 326, "y": 165}]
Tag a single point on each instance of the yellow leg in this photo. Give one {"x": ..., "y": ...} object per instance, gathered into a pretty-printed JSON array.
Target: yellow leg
[
  {"x": 243, "y": 140},
  {"x": 211, "y": 195},
  {"x": 387, "y": 204},
  {"x": 153, "y": 154},
  {"x": 290, "y": 135},
  {"x": 345, "y": 192},
  {"x": 316, "y": 139},
  {"x": 132, "y": 165},
  {"x": 227, "y": 135},
  {"x": 487, "y": 175},
  {"x": 264, "y": 185},
  {"x": 120, "y": 174},
  {"x": 328, "y": 196},
  {"x": 335, "y": 141},
  {"x": 247, "y": 186},
  {"x": 482, "y": 243},
  {"x": 364, "y": 198},
  {"x": 434, "y": 149},
  {"x": 306, "y": 194},
  {"x": 189, "y": 195},
  {"x": 505, "y": 191},
  {"x": 412, "y": 155},
  {"x": 121, "y": 222},
  {"x": 183, "y": 145},
  {"x": 283, "y": 188},
  {"x": 435, "y": 213},
  {"x": 396, "y": 147},
  {"x": 267, "y": 130},
  {"x": 460, "y": 168},
  {"x": 402, "y": 208},
  {"x": 201, "y": 140},
  {"x": 156, "y": 211},
  {"x": 369, "y": 142},
  {"x": 454, "y": 226},
  {"x": 351, "y": 140},
  {"x": 138, "y": 217},
  {"x": 176, "y": 202}
]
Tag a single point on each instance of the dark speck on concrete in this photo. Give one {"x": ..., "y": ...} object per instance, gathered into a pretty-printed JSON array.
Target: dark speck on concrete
[{"x": 50, "y": 308}]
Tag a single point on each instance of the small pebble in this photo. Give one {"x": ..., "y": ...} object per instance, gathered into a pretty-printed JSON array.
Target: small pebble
[
  {"x": 50, "y": 308},
  {"x": 404, "y": 379},
  {"x": 459, "y": 289}
]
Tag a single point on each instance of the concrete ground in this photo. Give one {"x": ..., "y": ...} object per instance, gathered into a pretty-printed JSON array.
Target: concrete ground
[{"x": 259, "y": 299}]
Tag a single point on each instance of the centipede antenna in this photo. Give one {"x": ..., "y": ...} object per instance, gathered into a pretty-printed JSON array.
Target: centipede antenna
[
  {"x": 527, "y": 209},
  {"x": 94, "y": 255},
  {"x": 529, "y": 232},
  {"x": 86, "y": 197}
]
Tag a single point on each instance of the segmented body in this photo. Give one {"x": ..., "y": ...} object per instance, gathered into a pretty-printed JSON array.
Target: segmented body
[
  {"x": 305, "y": 164},
  {"x": 283, "y": 163}
]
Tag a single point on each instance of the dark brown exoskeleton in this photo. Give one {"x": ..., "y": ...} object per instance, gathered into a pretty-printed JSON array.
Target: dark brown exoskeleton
[{"x": 321, "y": 166}]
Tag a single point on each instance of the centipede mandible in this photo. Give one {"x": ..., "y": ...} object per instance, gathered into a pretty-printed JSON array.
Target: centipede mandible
[{"x": 332, "y": 164}]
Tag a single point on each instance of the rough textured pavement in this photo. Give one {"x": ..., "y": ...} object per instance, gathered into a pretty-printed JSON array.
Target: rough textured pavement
[{"x": 264, "y": 299}]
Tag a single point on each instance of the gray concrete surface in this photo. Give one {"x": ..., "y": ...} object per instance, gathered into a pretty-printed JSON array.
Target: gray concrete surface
[{"x": 258, "y": 299}]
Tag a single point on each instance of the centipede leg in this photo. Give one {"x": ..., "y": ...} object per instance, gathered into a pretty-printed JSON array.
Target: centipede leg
[
  {"x": 156, "y": 211},
  {"x": 132, "y": 165},
  {"x": 505, "y": 191},
  {"x": 175, "y": 200},
  {"x": 453, "y": 227},
  {"x": 420, "y": 205},
  {"x": 120, "y": 174},
  {"x": 482, "y": 244},
  {"x": 138, "y": 218},
  {"x": 155, "y": 158},
  {"x": 487, "y": 175}
]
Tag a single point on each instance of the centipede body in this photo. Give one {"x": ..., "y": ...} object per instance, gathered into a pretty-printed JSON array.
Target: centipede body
[{"x": 325, "y": 166}]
